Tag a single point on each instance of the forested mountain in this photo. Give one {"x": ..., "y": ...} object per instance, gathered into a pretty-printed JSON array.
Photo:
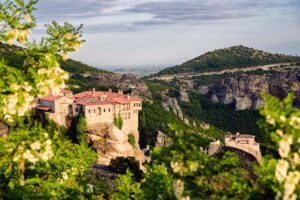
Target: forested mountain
[
  {"x": 12, "y": 55},
  {"x": 228, "y": 58}
]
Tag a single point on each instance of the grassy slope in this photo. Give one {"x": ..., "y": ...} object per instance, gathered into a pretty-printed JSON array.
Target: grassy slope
[{"x": 233, "y": 57}]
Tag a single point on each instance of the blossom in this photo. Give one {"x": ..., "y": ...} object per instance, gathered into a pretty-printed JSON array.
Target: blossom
[
  {"x": 281, "y": 170},
  {"x": 178, "y": 188},
  {"x": 295, "y": 122},
  {"x": 279, "y": 132},
  {"x": 282, "y": 118},
  {"x": 27, "y": 18},
  {"x": 290, "y": 184},
  {"x": 65, "y": 175},
  {"x": 28, "y": 156},
  {"x": 285, "y": 146},
  {"x": 177, "y": 166},
  {"x": 36, "y": 145},
  {"x": 270, "y": 119},
  {"x": 90, "y": 188}
]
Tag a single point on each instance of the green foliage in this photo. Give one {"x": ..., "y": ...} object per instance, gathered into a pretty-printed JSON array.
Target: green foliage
[
  {"x": 62, "y": 177},
  {"x": 152, "y": 118},
  {"x": 118, "y": 121},
  {"x": 131, "y": 140},
  {"x": 184, "y": 171},
  {"x": 224, "y": 117},
  {"x": 121, "y": 164},
  {"x": 81, "y": 129},
  {"x": 233, "y": 57},
  {"x": 282, "y": 125},
  {"x": 127, "y": 187}
]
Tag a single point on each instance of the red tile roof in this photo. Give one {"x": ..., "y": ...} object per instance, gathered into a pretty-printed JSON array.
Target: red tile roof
[
  {"x": 51, "y": 98},
  {"x": 94, "y": 98},
  {"x": 45, "y": 108},
  {"x": 97, "y": 98}
]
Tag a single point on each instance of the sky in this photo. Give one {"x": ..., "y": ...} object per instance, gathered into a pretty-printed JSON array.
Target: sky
[{"x": 139, "y": 33}]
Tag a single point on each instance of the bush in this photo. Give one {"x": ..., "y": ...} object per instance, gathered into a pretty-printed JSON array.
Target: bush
[
  {"x": 131, "y": 140},
  {"x": 118, "y": 121},
  {"x": 121, "y": 164}
]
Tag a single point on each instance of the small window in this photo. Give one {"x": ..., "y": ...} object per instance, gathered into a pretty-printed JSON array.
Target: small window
[
  {"x": 89, "y": 110},
  {"x": 104, "y": 110},
  {"x": 109, "y": 110},
  {"x": 76, "y": 109},
  {"x": 99, "y": 111}
]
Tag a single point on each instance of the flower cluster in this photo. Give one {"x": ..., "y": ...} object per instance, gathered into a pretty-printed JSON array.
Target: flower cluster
[
  {"x": 285, "y": 121},
  {"x": 36, "y": 151},
  {"x": 17, "y": 34},
  {"x": 52, "y": 82},
  {"x": 17, "y": 103},
  {"x": 70, "y": 43}
]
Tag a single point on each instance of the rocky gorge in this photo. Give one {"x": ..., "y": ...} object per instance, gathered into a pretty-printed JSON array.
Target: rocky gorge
[{"x": 245, "y": 91}]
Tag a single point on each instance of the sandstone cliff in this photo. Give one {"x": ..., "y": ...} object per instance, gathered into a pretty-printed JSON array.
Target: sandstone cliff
[
  {"x": 245, "y": 91},
  {"x": 110, "y": 142}
]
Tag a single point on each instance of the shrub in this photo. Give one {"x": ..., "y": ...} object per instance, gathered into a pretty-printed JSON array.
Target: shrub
[
  {"x": 131, "y": 140},
  {"x": 118, "y": 121}
]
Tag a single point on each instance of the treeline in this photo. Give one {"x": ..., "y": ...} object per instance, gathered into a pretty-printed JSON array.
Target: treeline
[{"x": 233, "y": 57}]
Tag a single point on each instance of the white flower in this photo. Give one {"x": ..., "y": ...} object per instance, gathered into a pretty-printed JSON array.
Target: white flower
[
  {"x": 295, "y": 122},
  {"x": 36, "y": 145},
  {"x": 270, "y": 119},
  {"x": 282, "y": 118},
  {"x": 65, "y": 175},
  {"x": 90, "y": 188},
  {"x": 290, "y": 184},
  {"x": 27, "y": 18},
  {"x": 178, "y": 188},
  {"x": 279, "y": 132},
  {"x": 16, "y": 158},
  {"x": 281, "y": 170},
  {"x": 48, "y": 142},
  {"x": 28, "y": 156},
  {"x": 285, "y": 146}
]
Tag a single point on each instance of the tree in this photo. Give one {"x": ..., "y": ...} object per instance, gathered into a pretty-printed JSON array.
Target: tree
[{"x": 36, "y": 161}]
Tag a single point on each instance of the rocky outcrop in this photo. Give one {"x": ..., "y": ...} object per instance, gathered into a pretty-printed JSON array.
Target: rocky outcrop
[
  {"x": 110, "y": 143},
  {"x": 162, "y": 140},
  {"x": 125, "y": 81},
  {"x": 183, "y": 95},
  {"x": 172, "y": 103},
  {"x": 245, "y": 91}
]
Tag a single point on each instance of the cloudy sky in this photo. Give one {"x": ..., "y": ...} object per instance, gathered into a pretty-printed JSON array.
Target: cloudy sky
[{"x": 169, "y": 32}]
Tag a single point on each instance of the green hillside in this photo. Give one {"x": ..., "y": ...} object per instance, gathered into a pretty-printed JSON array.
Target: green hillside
[
  {"x": 233, "y": 57},
  {"x": 12, "y": 55}
]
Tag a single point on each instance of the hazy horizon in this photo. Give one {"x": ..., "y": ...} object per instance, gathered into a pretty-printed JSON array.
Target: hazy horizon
[{"x": 141, "y": 33}]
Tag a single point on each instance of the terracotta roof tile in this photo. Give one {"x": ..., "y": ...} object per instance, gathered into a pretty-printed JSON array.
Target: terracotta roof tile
[{"x": 51, "y": 98}]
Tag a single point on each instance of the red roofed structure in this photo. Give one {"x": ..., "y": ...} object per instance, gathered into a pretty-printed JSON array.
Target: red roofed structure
[{"x": 97, "y": 107}]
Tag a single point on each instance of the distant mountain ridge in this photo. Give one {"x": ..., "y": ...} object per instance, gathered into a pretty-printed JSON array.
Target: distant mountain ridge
[
  {"x": 228, "y": 58},
  {"x": 11, "y": 55}
]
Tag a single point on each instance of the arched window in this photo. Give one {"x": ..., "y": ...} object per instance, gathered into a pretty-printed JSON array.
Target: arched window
[{"x": 99, "y": 111}]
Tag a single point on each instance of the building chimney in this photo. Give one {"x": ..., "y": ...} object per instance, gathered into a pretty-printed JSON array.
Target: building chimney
[
  {"x": 93, "y": 92},
  {"x": 120, "y": 91},
  {"x": 109, "y": 90},
  {"x": 128, "y": 97}
]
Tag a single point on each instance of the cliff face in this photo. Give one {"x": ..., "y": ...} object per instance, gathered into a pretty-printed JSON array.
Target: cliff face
[
  {"x": 110, "y": 143},
  {"x": 245, "y": 91},
  {"x": 125, "y": 81}
]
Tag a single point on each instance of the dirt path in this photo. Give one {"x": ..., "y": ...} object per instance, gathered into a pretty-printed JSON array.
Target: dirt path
[{"x": 195, "y": 74}]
